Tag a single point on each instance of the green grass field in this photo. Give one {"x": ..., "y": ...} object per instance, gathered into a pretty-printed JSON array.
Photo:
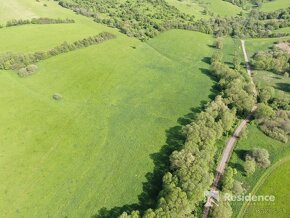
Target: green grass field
[
  {"x": 256, "y": 138},
  {"x": 274, "y": 182},
  {"x": 91, "y": 149},
  {"x": 275, "y": 5}
]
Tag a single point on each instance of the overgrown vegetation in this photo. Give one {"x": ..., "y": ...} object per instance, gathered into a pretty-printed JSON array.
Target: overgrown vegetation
[
  {"x": 275, "y": 60},
  {"x": 275, "y": 124},
  {"x": 10, "y": 61},
  {"x": 144, "y": 19}
]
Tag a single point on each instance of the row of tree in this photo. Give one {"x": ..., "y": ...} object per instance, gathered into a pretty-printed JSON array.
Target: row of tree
[
  {"x": 136, "y": 19},
  {"x": 192, "y": 166},
  {"x": 12, "y": 61},
  {"x": 41, "y": 20}
]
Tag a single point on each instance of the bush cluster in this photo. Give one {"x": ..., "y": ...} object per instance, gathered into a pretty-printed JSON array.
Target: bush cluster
[
  {"x": 275, "y": 60},
  {"x": 12, "y": 61},
  {"x": 26, "y": 71},
  {"x": 276, "y": 126}
]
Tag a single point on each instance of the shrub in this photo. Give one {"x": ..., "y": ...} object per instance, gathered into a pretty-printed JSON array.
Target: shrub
[
  {"x": 277, "y": 127},
  {"x": 27, "y": 71},
  {"x": 250, "y": 165},
  {"x": 237, "y": 187},
  {"x": 261, "y": 157},
  {"x": 57, "y": 96}
]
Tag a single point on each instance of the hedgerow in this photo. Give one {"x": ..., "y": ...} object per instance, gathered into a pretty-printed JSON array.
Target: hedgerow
[
  {"x": 10, "y": 61},
  {"x": 41, "y": 20}
]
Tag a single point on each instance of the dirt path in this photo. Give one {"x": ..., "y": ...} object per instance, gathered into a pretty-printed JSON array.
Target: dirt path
[{"x": 230, "y": 144}]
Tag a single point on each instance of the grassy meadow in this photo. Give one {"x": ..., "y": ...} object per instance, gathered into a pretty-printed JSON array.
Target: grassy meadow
[
  {"x": 94, "y": 147},
  {"x": 197, "y": 7},
  {"x": 275, "y": 5},
  {"x": 255, "y": 139},
  {"x": 275, "y": 181}
]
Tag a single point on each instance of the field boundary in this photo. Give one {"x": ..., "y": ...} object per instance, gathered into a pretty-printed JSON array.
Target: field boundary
[{"x": 261, "y": 181}]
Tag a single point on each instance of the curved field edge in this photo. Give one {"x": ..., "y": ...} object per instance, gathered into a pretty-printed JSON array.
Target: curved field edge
[
  {"x": 261, "y": 182},
  {"x": 255, "y": 139}
]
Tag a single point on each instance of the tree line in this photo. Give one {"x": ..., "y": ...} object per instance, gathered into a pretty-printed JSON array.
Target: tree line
[
  {"x": 11, "y": 61},
  {"x": 136, "y": 19},
  {"x": 192, "y": 167},
  {"x": 41, "y": 20}
]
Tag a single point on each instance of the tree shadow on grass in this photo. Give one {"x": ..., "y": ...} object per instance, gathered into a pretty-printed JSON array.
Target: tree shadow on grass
[
  {"x": 283, "y": 87},
  {"x": 237, "y": 166},
  {"x": 206, "y": 60},
  {"x": 153, "y": 185},
  {"x": 241, "y": 154}
]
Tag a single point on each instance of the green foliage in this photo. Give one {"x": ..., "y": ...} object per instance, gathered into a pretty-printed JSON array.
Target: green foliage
[
  {"x": 219, "y": 44},
  {"x": 217, "y": 57},
  {"x": 264, "y": 111},
  {"x": 26, "y": 71},
  {"x": 261, "y": 157},
  {"x": 41, "y": 20},
  {"x": 266, "y": 93},
  {"x": 223, "y": 210},
  {"x": 238, "y": 91},
  {"x": 249, "y": 165},
  {"x": 275, "y": 60},
  {"x": 145, "y": 19},
  {"x": 237, "y": 187},
  {"x": 228, "y": 180},
  {"x": 278, "y": 126}
]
